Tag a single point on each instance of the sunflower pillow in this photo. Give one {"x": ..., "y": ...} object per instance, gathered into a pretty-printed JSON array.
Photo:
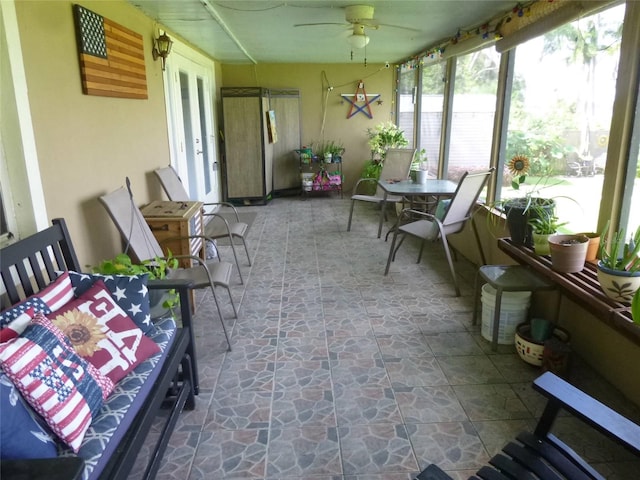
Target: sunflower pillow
[{"x": 102, "y": 333}]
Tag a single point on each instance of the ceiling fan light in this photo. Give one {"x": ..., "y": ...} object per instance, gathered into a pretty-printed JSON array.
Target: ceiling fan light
[{"x": 358, "y": 41}]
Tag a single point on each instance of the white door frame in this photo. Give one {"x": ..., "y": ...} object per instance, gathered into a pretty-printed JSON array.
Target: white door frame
[{"x": 186, "y": 67}]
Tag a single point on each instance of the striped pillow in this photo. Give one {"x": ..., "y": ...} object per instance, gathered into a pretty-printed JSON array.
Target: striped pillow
[{"x": 59, "y": 384}]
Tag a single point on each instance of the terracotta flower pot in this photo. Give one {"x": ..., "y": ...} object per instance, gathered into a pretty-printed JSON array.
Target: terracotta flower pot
[
  {"x": 594, "y": 244},
  {"x": 568, "y": 252}
]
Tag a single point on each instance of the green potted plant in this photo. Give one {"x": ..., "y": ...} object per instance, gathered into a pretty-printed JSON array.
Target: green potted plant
[
  {"x": 156, "y": 268},
  {"x": 619, "y": 264},
  {"x": 381, "y": 138},
  {"x": 520, "y": 210},
  {"x": 384, "y": 136},
  {"x": 543, "y": 224},
  {"x": 635, "y": 307},
  {"x": 419, "y": 166},
  {"x": 336, "y": 150}
]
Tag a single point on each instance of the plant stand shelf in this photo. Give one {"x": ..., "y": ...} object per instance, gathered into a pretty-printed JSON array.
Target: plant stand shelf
[{"x": 582, "y": 287}]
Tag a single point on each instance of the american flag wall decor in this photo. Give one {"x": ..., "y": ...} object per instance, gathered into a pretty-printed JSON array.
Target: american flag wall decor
[{"x": 111, "y": 57}]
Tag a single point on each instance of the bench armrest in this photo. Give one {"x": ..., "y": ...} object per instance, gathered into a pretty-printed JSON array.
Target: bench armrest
[
  {"x": 61, "y": 468},
  {"x": 564, "y": 395}
]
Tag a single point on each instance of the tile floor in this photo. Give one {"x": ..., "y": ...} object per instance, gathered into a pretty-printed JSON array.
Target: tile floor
[{"x": 340, "y": 373}]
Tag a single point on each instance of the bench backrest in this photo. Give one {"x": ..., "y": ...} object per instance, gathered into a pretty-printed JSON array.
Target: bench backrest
[{"x": 29, "y": 265}]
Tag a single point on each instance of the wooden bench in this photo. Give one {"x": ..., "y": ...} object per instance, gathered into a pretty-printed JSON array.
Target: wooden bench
[
  {"x": 582, "y": 287},
  {"x": 542, "y": 455},
  {"x": 27, "y": 267}
]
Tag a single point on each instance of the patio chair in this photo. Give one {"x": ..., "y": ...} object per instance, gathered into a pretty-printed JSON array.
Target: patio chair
[
  {"x": 397, "y": 164},
  {"x": 140, "y": 240},
  {"x": 541, "y": 454},
  {"x": 217, "y": 226},
  {"x": 450, "y": 217}
]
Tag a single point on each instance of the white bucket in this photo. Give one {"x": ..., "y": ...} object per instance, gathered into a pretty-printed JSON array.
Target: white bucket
[{"x": 513, "y": 311}]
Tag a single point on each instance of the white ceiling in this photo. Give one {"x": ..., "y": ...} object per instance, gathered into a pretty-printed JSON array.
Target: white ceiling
[{"x": 263, "y": 31}]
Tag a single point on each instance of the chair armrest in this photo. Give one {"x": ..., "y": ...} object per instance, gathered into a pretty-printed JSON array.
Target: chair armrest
[
  {"x": 225, "y": 204},
  {"x": 409, "y": 212},
  {"x": 361, "y": 180},
  {"x": 182, "y": 288},
  {"x": 594, "y": 413}
]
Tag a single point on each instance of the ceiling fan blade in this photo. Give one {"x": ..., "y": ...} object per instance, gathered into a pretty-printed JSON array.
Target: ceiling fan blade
[
  {"x": 319, "y": 24},
  {"x": 402, "y": 27}
]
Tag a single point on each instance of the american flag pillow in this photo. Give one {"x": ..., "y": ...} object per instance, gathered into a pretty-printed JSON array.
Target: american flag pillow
[
  {"x": 59, "y": 384},
  {"x": 129, "y": 291},
  {"x": 47, "y": 300}
]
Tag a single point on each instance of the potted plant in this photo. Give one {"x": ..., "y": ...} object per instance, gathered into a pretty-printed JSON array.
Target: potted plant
[
  {"x": 619, "y": 264},
  {"x": 543, "y": 224},
  {"x": 568, "y": 252},
  {"x": 419, "y": 167},
  {"x": 335, "y": 150},
  {"x": 384, "y": 136},
  {"x": 156, "y": 268},
  {"x": 635, "y": 307}
]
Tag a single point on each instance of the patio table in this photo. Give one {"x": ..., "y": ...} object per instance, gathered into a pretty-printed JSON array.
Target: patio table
[{"x": 407, "y": 188}]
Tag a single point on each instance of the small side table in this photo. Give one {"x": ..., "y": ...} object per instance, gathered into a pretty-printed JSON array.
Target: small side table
[
  {"x": 171, "y": 224},
  {"x": 507, "y": 278}
]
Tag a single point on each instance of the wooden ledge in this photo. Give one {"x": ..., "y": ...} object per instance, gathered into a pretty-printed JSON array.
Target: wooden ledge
[{"x": 582, "y": 287}]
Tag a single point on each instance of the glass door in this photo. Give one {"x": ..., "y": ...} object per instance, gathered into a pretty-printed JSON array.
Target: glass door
[{"x": 193, "y": 146}]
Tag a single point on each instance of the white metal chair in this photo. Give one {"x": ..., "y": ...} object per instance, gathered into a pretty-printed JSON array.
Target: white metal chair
[
  {"x": 450, "y": 217},
  {"x": 397, "y": 164},
  {"x": 140, "y": 240},
  {"x": 217, "y": 226}
]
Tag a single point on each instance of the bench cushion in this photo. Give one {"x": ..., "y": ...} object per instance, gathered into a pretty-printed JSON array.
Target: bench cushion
[
  {"x": 23, "y": 434},
  {"x": 122, "y": 406}
]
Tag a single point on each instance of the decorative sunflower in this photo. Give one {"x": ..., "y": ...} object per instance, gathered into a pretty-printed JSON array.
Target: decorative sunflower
[
  {"x": 518, "y": 166},
  {"x": 83, "y": 331}
]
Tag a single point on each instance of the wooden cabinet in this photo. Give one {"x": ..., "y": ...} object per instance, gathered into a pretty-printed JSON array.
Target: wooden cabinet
[
  {"x": 285, "y": 102},
  {"x": 248, "y": 155},
  {"x": 169, "y": 220},
  {"x": 255, "y": 167}
]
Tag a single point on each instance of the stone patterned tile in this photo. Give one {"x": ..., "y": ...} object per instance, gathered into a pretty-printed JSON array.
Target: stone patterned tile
[
  {"x": 491, "y": 402},
  {"x": 245, "y": 350},
  {"x": 466, "y": 370},
  {"x": 231, "y": 454},
  {"x": 451, "y": 446},
  {"x": 303, "y": 348},
  {"x": 246, "y": 376},
  {"x": 431, "y": 322},
  {"x": 353, "y": 347},
  {"x": 348, "y": 326},
  {"x": 429, "y": 404},
  {"x": 394, "y": 323},
  {"x": 303, "y": 408},
  {"x": 376, "y": 449},
  {"x": 403, "y": 345},
  {"x": 305, "y": 451},
  {"x": 301, "y": 326},
  {"x": 458, "y": 343},
  {"x": 366, "y": 405},
  {"x": 342, "y": 332},
  {"x": 414, "y": 371},
  {"x": 296, "y": 375},
  {"x": 239, "y": 410},
  {"x": 350, "y": 372},
  {"x": 495, "y": 434}
]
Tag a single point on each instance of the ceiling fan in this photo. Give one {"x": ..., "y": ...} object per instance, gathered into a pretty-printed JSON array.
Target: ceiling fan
[{"x": 359, "y": 18}]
